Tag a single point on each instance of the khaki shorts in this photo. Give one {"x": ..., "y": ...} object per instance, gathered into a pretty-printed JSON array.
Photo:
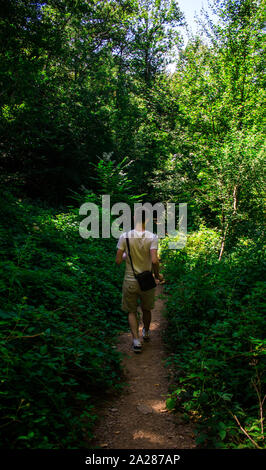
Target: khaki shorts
[{"x": 131, "y": 293}]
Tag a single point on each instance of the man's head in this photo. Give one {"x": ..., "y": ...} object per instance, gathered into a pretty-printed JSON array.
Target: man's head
[{"x": 141, "y": 216}]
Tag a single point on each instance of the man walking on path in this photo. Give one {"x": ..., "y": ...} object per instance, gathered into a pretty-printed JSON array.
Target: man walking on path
[{"x": 143, "y": 250}]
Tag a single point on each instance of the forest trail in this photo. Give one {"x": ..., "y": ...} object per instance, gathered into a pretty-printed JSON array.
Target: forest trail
[{"x": 137, "y": 418}]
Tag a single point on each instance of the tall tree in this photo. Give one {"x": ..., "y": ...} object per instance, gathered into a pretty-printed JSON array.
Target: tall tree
[
  {"x": 218, "y": 139},
  {"x": 153, "y": 36}
]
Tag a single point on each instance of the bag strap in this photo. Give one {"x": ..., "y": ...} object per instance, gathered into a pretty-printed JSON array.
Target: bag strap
[{"x": 130, "y": 254}]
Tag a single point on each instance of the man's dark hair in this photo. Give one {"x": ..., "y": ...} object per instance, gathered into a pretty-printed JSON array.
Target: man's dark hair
[{"x": 141, "y": 213}]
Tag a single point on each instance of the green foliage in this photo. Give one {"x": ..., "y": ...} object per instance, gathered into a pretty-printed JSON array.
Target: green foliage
[
  {"x": 59, "y": 316},
  {"x": 212, "y": 107},
  {"x": 74, "y": 77},
  {"x": 112, "y": 179},
  {"x": 88, "y": 108},
  {"x": 215, "y": 336}
]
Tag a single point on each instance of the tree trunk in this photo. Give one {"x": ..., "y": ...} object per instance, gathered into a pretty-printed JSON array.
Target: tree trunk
[{"x": 227, "y": 225}]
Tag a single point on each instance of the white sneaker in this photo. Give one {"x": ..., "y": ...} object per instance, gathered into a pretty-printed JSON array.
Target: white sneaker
[
  {"x": 145, "y": 334},
  {"x": 136, "y": 346}
]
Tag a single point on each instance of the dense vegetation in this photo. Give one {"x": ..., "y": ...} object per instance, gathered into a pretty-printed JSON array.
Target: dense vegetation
[
  {"x": 215, "y": 335},
  {"x": 59, "y": 316},
  {"x": 88, "y": 108}
]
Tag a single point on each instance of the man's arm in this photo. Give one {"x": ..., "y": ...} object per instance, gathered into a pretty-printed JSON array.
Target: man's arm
[
  {"x": 155, "y": 264},
  {"x": 121, "y": 250},
  {"x": 120, "y": 256}
]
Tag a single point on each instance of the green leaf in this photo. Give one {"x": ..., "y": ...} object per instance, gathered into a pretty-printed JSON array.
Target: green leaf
[{"x": 170, "y": 403}]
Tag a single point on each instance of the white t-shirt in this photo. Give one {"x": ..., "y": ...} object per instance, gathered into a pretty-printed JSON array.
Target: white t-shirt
[{"x": 140, "y": 245}]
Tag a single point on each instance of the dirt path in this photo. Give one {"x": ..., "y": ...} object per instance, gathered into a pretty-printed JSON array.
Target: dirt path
[{"x": 138, "y": 418}]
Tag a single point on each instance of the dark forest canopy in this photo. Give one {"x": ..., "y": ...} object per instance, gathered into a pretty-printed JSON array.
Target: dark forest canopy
[{"x": 84, "y": 81}]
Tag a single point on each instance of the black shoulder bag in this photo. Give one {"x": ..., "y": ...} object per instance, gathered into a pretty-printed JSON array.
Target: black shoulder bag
[{"x": 146, "y": 280}]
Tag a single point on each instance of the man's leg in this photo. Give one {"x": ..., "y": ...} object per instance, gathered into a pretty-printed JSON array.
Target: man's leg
[
  {"x": 147, "y": 304},
  {"x": 134, "y": 325},
  {"x": 146, "y": 318},
  {"x": 129, "y": 304}
]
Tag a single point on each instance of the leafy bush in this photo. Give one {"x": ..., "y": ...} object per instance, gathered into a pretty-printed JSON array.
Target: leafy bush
[
  {"x": 215, "y": 324},
  {"x": 59, "y": 315}
]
